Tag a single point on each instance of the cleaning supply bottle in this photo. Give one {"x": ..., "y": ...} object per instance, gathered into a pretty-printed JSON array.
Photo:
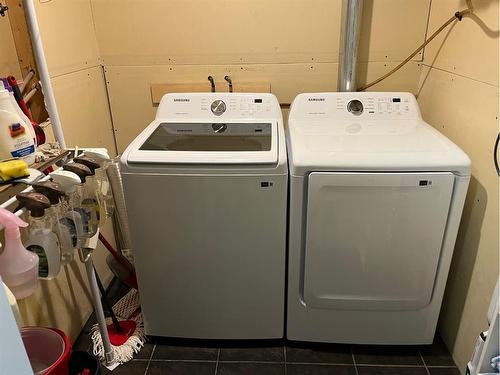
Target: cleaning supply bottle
[
  {"x": 18, "y": 266},
  {"x": 88, "y": 205},
  {"x": 41, "y": 239},
  {"x": 15, "y": 138},
  {"x": 102, "y": 157},
  {"x": 93, "y": 183},
  {"x": 68, "y": 182},
  {"x": 4, "y": 85},
  {"x": 63, "y": 227}
]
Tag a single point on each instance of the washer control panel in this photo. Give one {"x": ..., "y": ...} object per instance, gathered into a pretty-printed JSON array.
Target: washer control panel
[{"x": 215, "y": 106}]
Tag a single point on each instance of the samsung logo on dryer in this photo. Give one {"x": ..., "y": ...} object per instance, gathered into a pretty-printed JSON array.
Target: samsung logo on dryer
[
  {"x": 181, "y": 100},
  {"x": 316, "y": 99}
]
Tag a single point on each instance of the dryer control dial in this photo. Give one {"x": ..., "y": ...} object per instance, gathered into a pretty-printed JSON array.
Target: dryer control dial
[
  {"x": 218, "y": 107},
  {"x": 355, "y": 107},
  {"x": 219, "y": 128}
]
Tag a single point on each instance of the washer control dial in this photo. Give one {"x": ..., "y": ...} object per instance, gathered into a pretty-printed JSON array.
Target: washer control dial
[
  {"x": 355, "y": 107},
  {"x": 219, "y": 128},
  {"x": 218, "y": 107}
]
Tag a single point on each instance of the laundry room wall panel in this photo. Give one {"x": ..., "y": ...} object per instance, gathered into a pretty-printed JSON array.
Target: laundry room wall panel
[
  {"x": 144, "y": 32},
  {"x": 458, "y": 50},
  {"x": 133, "y": 109},
  {"x": 459, "y": 95},
  {"x": 68, "y": 35},
  {"x": 83, "y": 108},
  {"x": 9, "y": 63}
]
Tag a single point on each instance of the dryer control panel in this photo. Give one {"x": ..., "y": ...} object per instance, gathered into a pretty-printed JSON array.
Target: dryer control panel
[
  {"x": 218, "y": 106},
  {"x": 356, "y": 105}
]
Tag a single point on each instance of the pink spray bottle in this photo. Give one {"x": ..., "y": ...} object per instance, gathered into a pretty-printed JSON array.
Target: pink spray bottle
[{"x": 18, "y": 266}]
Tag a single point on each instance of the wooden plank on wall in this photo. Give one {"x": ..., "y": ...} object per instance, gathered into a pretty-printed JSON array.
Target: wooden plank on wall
[
  {"x": 160, "y": 89},
  {"x": 8, "y": 56},
  {"x": 209, "y": 32},
  {"x": 133, "y": 109}
]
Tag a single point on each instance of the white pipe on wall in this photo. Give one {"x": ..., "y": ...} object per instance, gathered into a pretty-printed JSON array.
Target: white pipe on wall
[
  {"x": 43, "y": 71},
  {"x": 352, "y": 12}
]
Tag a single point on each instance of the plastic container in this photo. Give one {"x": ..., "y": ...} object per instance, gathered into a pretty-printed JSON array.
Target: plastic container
[
  {"x": 18, "y": 266},
  {"x": 81, "y": 360},
  {"x": 48, "y": 350},
  {"x": 15, "y": 137}
]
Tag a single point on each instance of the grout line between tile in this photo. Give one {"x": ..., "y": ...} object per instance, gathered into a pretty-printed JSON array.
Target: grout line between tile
[
  {"x": 150, "y": 358},
  {"x": 354, "y": 361},
  {"x": 423, "y": 361},
  {"x": 284, "y": 359},
  {"x": 217, "y": 362}
]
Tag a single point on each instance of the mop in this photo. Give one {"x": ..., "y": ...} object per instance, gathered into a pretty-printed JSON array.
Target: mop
[
  {"x": 128, "y": 337},
  {"x": 125, "y": 329}
]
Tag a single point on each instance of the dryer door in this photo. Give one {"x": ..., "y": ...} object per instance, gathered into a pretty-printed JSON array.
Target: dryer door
[{"x": 373, "y": 240}]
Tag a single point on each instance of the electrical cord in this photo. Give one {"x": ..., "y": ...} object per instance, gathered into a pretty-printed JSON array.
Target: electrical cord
[
  {"x": 495, "y": 154},
  {"x": 458, "y": 15}
]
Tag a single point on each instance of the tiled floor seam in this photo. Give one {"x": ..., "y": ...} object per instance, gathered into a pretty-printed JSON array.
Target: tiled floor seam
[
  {"x": 217, "y": 362},
  {"x": 150, "y": 358},
  {"x": 354, "y": 361},
  {"x": 423, "y": 361}
]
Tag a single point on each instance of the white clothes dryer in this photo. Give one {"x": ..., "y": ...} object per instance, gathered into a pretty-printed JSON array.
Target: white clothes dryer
[{"x": 376, "y": 197}]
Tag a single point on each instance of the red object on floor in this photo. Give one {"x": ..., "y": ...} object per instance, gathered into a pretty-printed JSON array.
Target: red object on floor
[
  {"x": 61, "y": 366},
  {"x": 120, "y": 338}
]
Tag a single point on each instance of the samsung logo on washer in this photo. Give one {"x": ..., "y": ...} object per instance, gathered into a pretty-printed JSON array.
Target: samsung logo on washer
[
  {"x": 181, "y": 100},
  {"x": 316, "y": 99}
]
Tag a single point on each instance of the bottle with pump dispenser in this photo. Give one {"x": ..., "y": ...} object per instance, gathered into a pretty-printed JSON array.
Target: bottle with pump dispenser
[
  {"x": 18, "y": 266},
  {"x": 87, "y": 203},
  {"x": 104, "y": 185},
  {"x": 64, "y": 228},
  {"x": 68, "y": 182},
  {"x": 16, "y": 139},
  {"x": 93, "y": 184},
  {"x": 41, "y": 239}
]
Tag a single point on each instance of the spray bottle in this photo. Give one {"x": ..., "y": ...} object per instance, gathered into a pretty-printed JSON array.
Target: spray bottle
[
  {"x": 63, "y": 227},
  {"x": 68, "y": 182},
  {"x": 41, "y": 239},
  {"x": 88, "y": 205},
  {"x": 15, "y": 137},
  {"x": 18, "y": 266}
]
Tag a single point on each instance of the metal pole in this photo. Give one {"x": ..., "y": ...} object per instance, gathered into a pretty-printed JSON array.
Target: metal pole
[
  {"x": 43, "y": 72},
  {"x": 101, "y": 320},
  {"x": 352, "y": 12}
]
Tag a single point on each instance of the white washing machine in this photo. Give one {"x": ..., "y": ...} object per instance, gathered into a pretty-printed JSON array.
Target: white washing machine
[
  {"x": 206, "y": 192},
  {"x": 376, "y": 197}
]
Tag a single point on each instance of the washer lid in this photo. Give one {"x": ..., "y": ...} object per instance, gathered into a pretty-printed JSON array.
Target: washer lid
[
  {"x": 367, "y": 132},
  {"x": 207, "y": 143}
]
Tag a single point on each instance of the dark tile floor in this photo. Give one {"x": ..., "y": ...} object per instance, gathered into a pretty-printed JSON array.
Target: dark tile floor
[{"x": 181, "y": 357}]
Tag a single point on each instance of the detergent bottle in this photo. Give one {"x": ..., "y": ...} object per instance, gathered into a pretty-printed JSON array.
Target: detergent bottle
[
  {"x": 88, "y": 205},
  {"x": 4, "y": 85},
  {"x": 41, "y": 239},
  {"x": 18, "y": 266},
  {"x": 64, "y": 228},
  {"x": 16, "y": 139},
  {"x": 70, "y": 203}
]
